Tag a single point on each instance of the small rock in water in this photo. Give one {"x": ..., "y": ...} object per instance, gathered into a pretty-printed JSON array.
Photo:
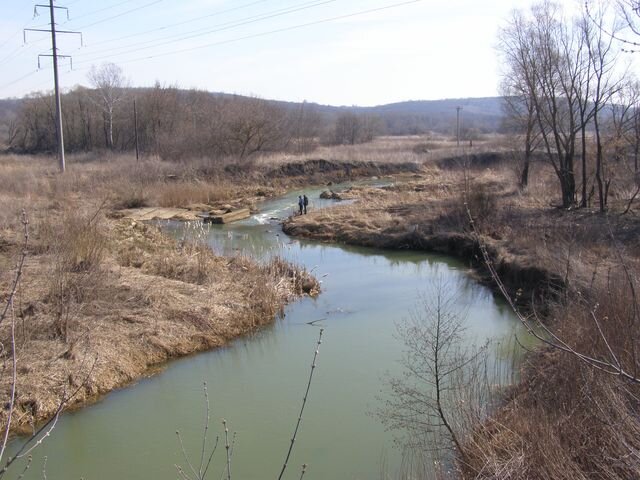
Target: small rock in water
[{"x": 330, "y": 195}]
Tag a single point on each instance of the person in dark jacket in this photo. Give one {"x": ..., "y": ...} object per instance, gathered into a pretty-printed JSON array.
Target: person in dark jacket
[
  {"x": 300, "y": 203},
  {"x": 305, "y": 202}
]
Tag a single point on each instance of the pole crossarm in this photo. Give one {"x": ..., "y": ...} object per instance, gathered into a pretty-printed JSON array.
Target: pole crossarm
[
  {"x": 48, "y": 30},
  {"x": 35, "y": 9},
  {"x": 59, "y": 56}
]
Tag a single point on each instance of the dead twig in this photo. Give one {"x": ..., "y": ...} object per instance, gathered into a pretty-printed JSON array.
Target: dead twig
[{"x": 304, "y": 402}]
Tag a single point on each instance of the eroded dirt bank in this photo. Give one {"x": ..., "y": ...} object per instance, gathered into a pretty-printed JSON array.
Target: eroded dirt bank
[
  {"x": 519, "y": 273},
  {"x": 417, "y": 214}
]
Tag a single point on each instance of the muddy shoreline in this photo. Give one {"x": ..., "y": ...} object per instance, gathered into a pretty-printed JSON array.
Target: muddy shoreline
[{"x": 525, "y": 281}]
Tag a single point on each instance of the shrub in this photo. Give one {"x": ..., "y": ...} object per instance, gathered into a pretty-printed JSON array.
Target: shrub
[{"x": 131, "y": 199}]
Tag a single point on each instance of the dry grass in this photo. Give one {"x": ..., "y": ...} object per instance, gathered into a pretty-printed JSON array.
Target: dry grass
[
  {"x": 102, "y": 301},
  {"x": 127, "y": 315},
  {"x": 567, "y": 419},
  {"x": 185, "y": 193},
  {"x": 408, "y": 149}
]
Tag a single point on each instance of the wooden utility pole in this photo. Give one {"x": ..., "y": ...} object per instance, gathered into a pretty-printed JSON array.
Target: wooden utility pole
[
  {"x": 135, "y": 127},
  {"x": 458, "y": 125},
  {"x": 56, "y": 86}
]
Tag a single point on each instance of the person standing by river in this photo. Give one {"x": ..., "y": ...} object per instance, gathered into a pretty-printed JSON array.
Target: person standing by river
[
  {"x": 300, "y": 203},
  {"x": 305, "y": 202}
]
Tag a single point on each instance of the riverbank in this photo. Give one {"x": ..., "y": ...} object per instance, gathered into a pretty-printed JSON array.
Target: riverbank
[
  {"x": 563, "y": 268},
  {"x": 117, "y": 301},
  {"x": 105, "y": 300}
]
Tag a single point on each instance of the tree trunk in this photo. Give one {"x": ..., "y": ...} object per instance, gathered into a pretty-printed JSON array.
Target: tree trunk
[
  {"x": 602, "y": 200},
  {"x": 568, "y": 187},
  {"x": 583, "y": 133},
  {"x": 110, "y": 128},
  {"x": 524, "y": 175}
]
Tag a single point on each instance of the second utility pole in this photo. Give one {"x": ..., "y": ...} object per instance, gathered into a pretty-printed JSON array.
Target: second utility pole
[
  {"x": 57, "y": 89},
  {"x": 458, "y": 125}
]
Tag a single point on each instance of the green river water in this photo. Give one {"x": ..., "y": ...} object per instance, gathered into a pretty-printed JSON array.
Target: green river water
[{"x": 257, "y": 383}]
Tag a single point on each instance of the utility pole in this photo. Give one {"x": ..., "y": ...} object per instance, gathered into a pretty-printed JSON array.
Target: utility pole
[
  {"x": 135, "y": 126},
  {"x": 458, "y": 125},
  {"x": 56, "y": 85},
  {"x": 57, "y": 89}
]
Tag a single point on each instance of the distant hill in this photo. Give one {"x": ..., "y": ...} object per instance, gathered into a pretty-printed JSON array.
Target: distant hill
[
  {"x": 483, "y": 114},
  {"x": 421, "y": 116}
]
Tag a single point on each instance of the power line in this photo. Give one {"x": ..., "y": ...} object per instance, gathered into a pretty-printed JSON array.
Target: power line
[
  {"x": 101, "y": 10},
  {"x": 30, "y": 45},
  {"x": 155, "y": 2},
  {"x": 12, "y": 54},
  {"x": 16, "y": 51},
  {"x": 63, "y": 23},
  {"x": 33, "y": 72},
  {"x": 258, "y": 35},
  {"x": 165, "y": 27},
  {"x": 208, "y": 31},
  {"x": 21, "y": 49},
  {"x": 14, "y": 34}
]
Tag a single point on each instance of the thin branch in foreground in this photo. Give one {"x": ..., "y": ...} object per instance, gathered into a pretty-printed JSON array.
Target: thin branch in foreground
[
  {"x": 304, "y": 402},
  {"x": 555, "y": 342},
  {"x": 20, "y": 267},
  {"x": 9, "y": 308},
  {"x": 26, "y": 467},
  {"x": 203, "y": 467},
  {"x": 47, "y": 427},
  {"x": 227, "y": 447}
]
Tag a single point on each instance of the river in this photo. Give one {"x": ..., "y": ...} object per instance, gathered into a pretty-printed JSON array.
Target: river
[{"x": 257, "y": 383}]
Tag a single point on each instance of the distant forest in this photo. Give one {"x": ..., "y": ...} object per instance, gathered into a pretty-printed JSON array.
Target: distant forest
[{"x": 175, "y": 123}]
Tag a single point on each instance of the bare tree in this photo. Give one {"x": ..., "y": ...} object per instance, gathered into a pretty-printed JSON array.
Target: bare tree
[
  {"x": 561, "y": 70},
  {"x": 628, "y": 14},
  {"x": 426, "y": 401},
  {"x": 110, "y": 85},
  {"x": 545, "y": 56},
  {"x": 602, "y": 58},
  {"x": 248, "y": 126},
  {"x": 560, "y": 74},
  {"x": 305, "y": 128},
  {"x": 347, "y": 129},
  {"x": 518, "y": 88},
  {"x": 351, "y": 129}
]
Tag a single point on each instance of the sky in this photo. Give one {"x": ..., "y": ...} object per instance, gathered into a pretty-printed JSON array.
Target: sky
[{"x": 337, "y": 52}]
